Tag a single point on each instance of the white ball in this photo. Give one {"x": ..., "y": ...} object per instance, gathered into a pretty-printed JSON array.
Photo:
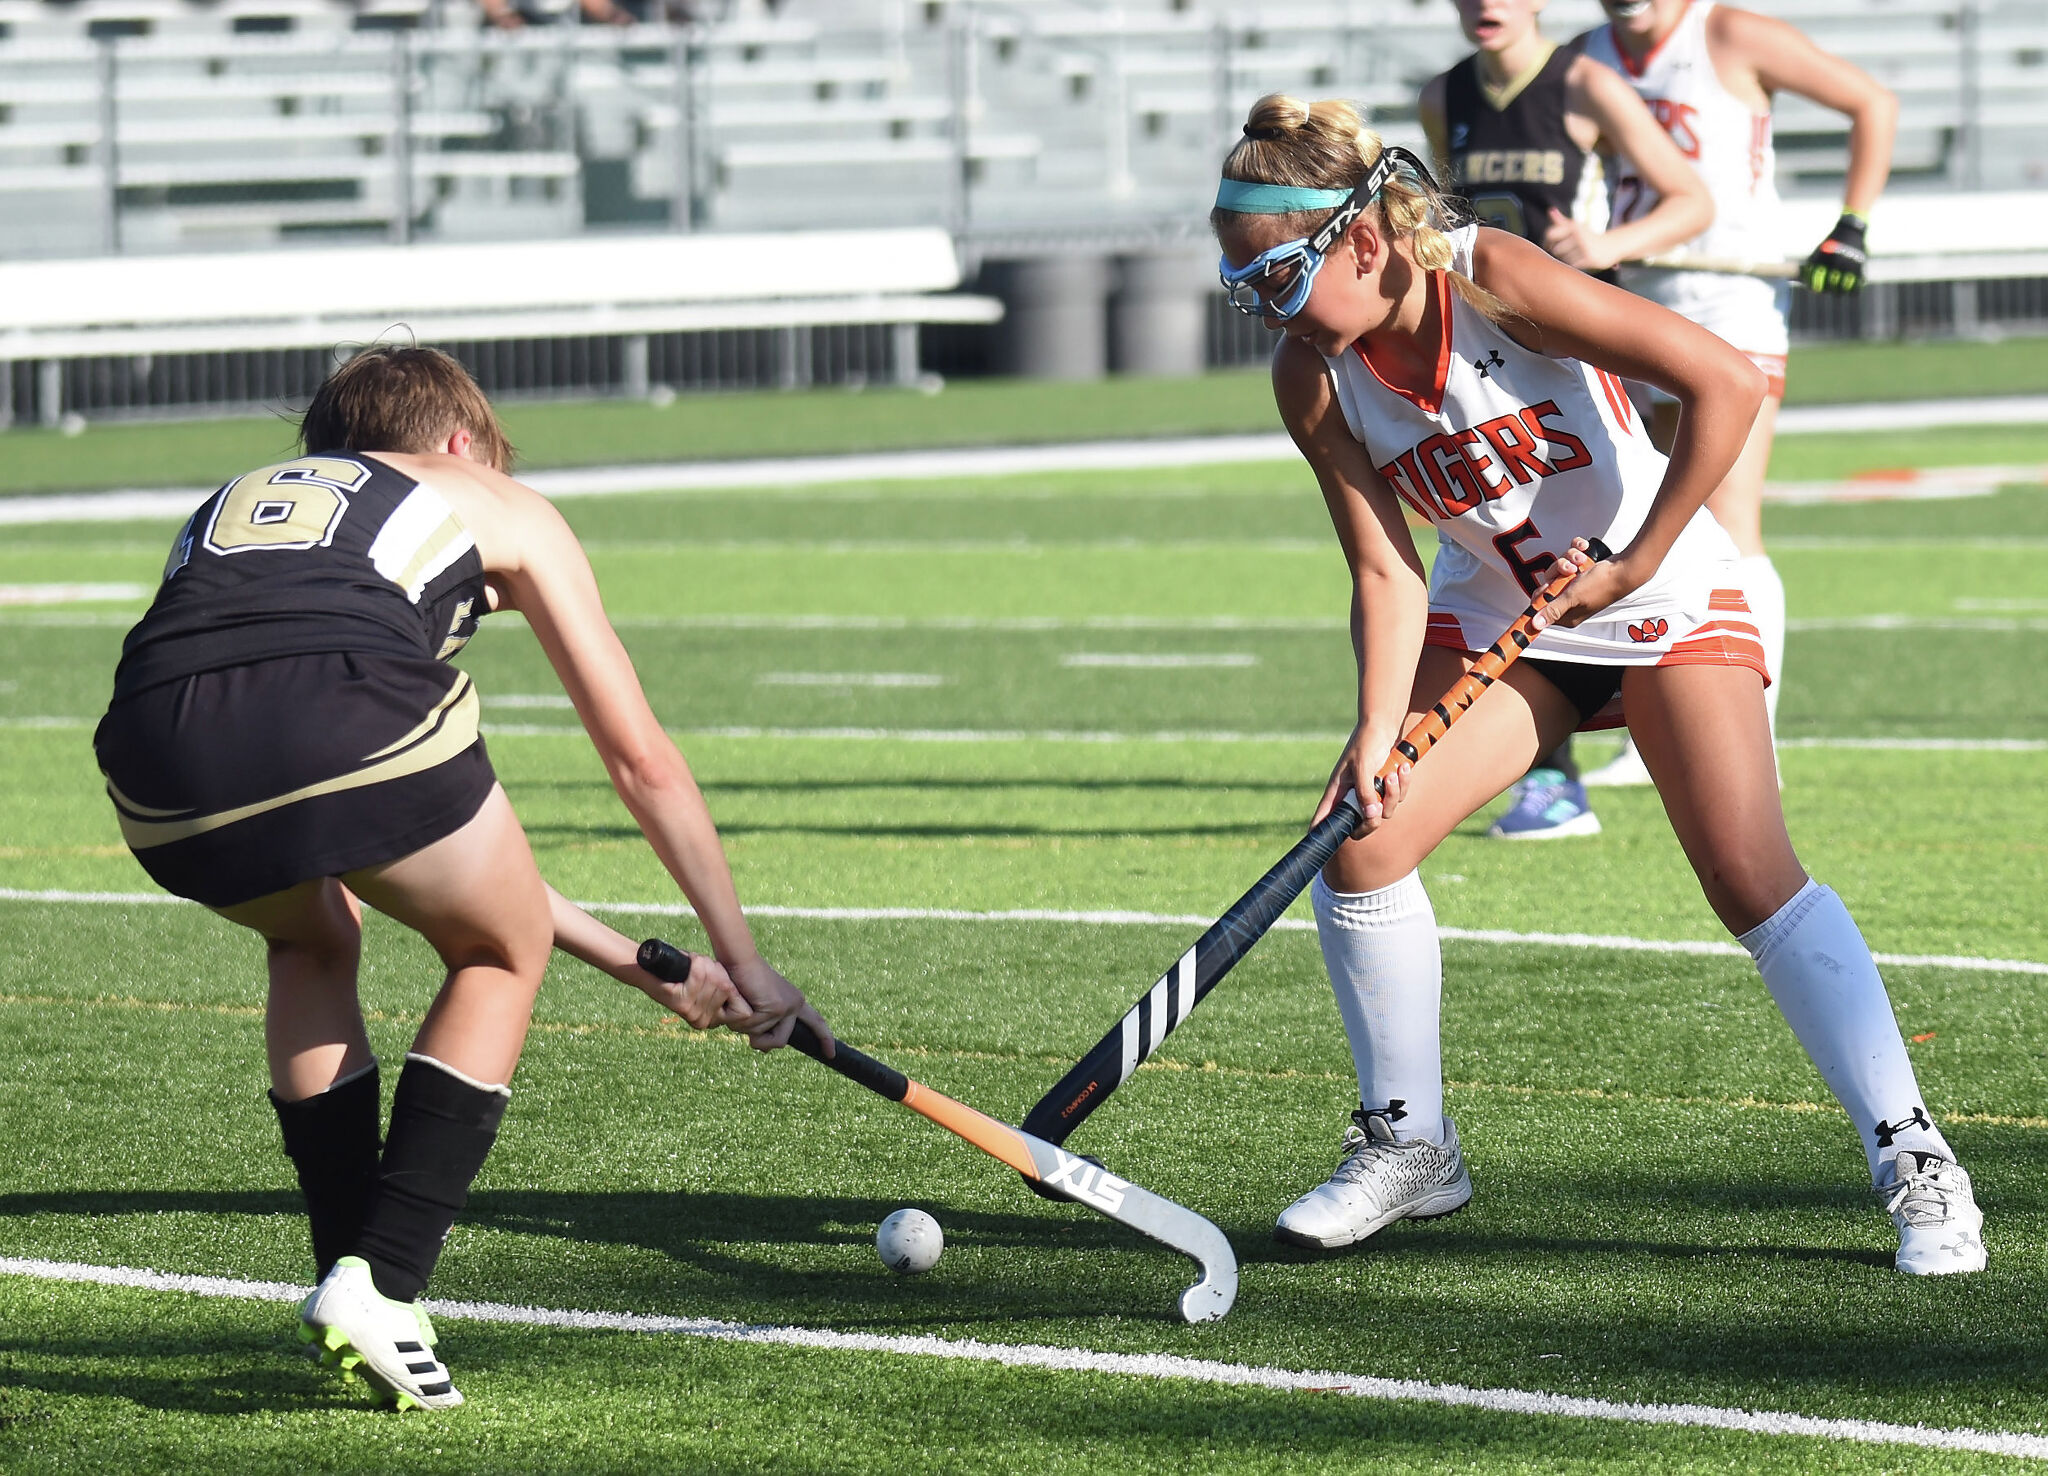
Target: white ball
[{"x": 910, "y": 1241}]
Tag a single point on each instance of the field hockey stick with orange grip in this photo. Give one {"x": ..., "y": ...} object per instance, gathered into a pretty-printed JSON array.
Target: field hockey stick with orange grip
[
  {"x": 1176, "y": 993},
  {"x": 1052, "y": 1172}
]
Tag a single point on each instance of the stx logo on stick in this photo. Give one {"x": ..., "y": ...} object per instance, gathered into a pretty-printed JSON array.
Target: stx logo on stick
[
  {"x": 1088, "y": 1182},
  {"x": 1449, "y": 474}
]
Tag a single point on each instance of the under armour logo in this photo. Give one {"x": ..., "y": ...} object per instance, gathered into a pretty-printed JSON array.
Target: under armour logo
[
  {"x": 1493, "y": 358},
  {"x": 1886, "y": 1130},
  {"x": 1397, "y": 1108}
]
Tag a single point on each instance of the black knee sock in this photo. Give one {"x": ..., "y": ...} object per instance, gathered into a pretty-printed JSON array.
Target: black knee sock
[
  {"x": 1559, "y": 758},
  {"x": 331, "y": 1139},
  {"x": 442, "y": 1126}
]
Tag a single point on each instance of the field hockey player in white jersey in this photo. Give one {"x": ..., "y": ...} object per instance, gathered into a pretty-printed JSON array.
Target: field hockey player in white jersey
[
  {"x": 1709, "y": 72},
  {"x": 1467, "y": 376}
]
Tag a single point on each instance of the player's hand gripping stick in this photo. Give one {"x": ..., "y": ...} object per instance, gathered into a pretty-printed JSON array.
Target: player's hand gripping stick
[
  {"x": 1176, "y": 993},
  {"x": 1055, "y": 1173}
]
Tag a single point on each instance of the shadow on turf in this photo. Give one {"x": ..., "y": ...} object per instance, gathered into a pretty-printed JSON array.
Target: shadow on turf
[
  {"x": 1279, "y": 833},
  {"x": 714, "y": 1234},
  {"x": 976, "y": 785}
]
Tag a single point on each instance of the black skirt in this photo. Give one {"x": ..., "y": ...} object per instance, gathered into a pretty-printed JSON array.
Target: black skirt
[{"x": 237, "y": 783}]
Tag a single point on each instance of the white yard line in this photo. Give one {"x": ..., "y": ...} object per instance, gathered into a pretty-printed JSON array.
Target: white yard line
[
  {"x": 135, "y": 504},
  {"x": 1983, "y": 624},
  {"x": 1158, "y": 661},
  {"x": 68, "y": 594},
  {"x": 1087, "y": 1360},
  {"x": 850, "y": 679},
  {"x": 1113, "y": 917}
]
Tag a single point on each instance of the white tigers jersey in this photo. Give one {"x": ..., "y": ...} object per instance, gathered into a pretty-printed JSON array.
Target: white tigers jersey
[
  {"x": 1730, "y": 148},
  {"x": 1512, "y": 454}
]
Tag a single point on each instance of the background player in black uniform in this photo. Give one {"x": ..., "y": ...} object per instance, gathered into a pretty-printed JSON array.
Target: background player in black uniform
[
  {"x": 1523, "y": 128},
  {"x": 284, "y": 740}
]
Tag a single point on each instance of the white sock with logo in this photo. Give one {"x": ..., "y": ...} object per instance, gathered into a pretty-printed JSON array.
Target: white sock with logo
[
  {"x": 1387, "y": 970},
  {"x": 1766, "y": 592},
  {"x": 1820, "y": 972}
]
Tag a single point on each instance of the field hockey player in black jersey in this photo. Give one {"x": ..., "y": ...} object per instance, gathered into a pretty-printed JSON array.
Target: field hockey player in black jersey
[{"x": 286, "y": 743}]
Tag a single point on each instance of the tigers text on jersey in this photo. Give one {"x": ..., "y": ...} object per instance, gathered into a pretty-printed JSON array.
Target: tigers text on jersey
[
  {"x": 1512, "y": 157},
  {"x": 1730, "y": 148},
  {"x": 1512, "y": 455},
  {"x": 331, "y": 552}
]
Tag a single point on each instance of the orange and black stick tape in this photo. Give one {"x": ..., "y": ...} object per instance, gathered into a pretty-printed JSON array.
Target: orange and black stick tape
[{"x": 1484, "y": 672}]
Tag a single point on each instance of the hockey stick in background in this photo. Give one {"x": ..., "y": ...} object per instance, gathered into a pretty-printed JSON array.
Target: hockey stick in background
[
  {"x": 1169, "y": 1001},
  {"x": 1052, "y": 1172},
  {"x": 1725, "y": 266}
]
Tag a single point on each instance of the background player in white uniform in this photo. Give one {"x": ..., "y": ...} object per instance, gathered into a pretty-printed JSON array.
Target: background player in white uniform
[
  {"x": 1491, "y": 404},
  {"x": 1529, "y": 133},
  {"x": 1709, "y": 72}
]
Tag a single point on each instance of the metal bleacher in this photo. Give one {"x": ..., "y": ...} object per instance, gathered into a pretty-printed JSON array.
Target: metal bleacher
[
  {"x": 168, "y": 124},
  {"x": 1027, "y": 129}
]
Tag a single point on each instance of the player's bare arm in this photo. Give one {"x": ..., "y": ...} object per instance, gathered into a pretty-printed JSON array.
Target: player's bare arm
[
  {"x": 1622, "y": 125},
  {"x": 1566, "y": 314},
  {"x": 1757, "y": 57},
  {"x": 1390, "y": 590},
  {"x": 704, "y": 997},
  {"x": 536, "y": 567}
]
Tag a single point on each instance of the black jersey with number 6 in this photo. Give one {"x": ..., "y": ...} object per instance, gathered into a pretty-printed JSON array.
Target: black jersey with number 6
[
  {"x": 332, "y": 552},
  {"x": 1510, "y": 153}
]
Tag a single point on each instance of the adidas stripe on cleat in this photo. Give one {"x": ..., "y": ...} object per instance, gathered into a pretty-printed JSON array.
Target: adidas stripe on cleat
[{"x": 353, "y": 1327}]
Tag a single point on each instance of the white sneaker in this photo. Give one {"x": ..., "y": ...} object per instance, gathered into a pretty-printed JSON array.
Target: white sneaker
[
  {"x": 360, "y": 1330},
  {"x": 1624, "y": 771},
  {"x": 1941, "y": 1230},
  {"x": 1379, "y": 1181}
]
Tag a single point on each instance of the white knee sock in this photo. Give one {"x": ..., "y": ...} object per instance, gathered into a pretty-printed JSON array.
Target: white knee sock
[
  {"x": 1819, "y": 970},
  {"x": 1387, "y": 969},
  {"x": 1767, "y": 603}
]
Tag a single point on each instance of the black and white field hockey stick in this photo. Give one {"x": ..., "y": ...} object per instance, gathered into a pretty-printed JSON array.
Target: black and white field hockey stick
[
  {"x": 1053, "y": 1172},
  {"x": 1170, "y": 1000}
]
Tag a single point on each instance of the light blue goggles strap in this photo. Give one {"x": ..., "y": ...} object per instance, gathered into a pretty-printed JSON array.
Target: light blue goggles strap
[{"x": 1244, "y": 198}]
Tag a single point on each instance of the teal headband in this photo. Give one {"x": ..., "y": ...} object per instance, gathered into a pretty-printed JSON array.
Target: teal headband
[{"x": 1243, "y": 198}]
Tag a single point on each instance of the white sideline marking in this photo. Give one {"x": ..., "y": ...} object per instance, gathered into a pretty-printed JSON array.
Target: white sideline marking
[
  {"x": 1087, "y": 1360},
  {"x": 67, "y": 594},
  {"x": 1169, "y": 662},
  {"x": 1982, "y": 623},
  {"x": 1113, "y": 917},
  {"x": 849, "y": 679},
  {"x": 135, "y": 504},
  {"x": 531, "y": 699}
]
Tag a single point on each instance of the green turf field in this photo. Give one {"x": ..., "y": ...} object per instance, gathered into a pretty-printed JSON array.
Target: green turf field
[
  {"x": 1008, "y": 412},
  {"x": 1668, "y": 1208}
]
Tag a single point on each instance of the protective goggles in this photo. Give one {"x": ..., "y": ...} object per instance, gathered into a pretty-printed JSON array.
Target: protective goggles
[{"x": 1276, "y": 283}]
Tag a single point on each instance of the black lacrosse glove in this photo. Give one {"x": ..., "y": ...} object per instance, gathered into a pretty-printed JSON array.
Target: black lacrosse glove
[{"x": 1837, "y": 263}]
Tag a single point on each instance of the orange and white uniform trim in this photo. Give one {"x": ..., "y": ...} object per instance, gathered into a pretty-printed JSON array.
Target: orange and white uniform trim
[{"x": 1511, "y": 455}]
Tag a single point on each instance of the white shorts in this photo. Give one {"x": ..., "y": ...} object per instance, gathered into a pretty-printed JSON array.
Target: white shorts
[
  {"x": 1749, "y": 313},
  {"x": 1698, "y": 615}
]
